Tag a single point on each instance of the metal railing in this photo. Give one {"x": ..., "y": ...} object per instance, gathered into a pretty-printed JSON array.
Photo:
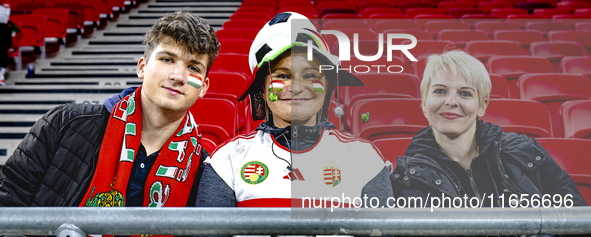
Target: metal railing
[{"x": 78, "y": 222}]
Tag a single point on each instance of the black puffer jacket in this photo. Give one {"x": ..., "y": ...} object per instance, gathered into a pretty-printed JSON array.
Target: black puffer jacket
[
  {"x": 55, "y": 161},
  {"x": 508, "y": 164}
]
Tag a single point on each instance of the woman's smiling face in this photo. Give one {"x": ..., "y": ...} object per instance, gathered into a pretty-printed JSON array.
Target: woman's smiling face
[
  {"x": 300, "y": 89},
  {"x": 452, "y": 105}
]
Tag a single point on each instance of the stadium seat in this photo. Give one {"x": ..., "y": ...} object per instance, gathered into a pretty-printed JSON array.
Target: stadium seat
[
  {"x": 583, "y": 183},
  {"x": 576, "y": 65},
  {"x": 512, "y": 67},
  {"x": 272, "y": 4},
  {"x": 219, "y": 81},
  {"x": 571, "y": 6},
  {"x": 27, "y": 8},
  {"x": 233, "y": 63},
  {"x": 473, "y": 18},
  {"x": 527, "y": 117},
  {"x": 426, "y": 47},
  {"x": 260, "y": 9},
  {"x": 555, "y": 50},
  {"x": 523, "y": 37},
  {"x": 500, "y": 87},
  {"x": 388, "y": 118},
  {"x": 583, "y": 12},
  {"x": 414, "y": 12},
  {"x": 379, "y": 16},
  {"x": 239, "y": 46},
  {"x": 487, "y": 7},
  {"x": 553, "y": 90},
  {"x": 575, "y": 119},
  {"x": 503, "y": 12},
  {"x": 383, "y": 25},
  {"x": 544, "y": 27},
  {"x": 252, "y": 16},
  {"x": 392, "y": 148},
  {"x": 581, "y": 37},
  {"x": 551, "y": 2},
  {"x": 244, "y": 24},
  {"x": 55, "y": 28},
  {"x": 91, "y": 14},
  {"x": 445, "y": 6},
  {"x": 225, "y": 118},
  {"x": 366, "y": 13},
  {"x": 234, "y": 33},
  {"x": 368, "y": 5},
  {"x": 340, "y": 16},
  {"x": 460, "y": 37},
  {"x": 400, "y": 85},
  {"x": 328, "y": 7},
  {"x": 531, "y": 6},
  {"x": 484, "y": 49},
  {"x": 490, "y": 26},
  {"x": 75, "y": 19},
  {"x": 341, "y": 24},
  {"x": 105, "y": 13},
  {"x": 583, "y": 26},
  {"x": 408, "y": 5},
  {"x": 458, "y": 13},
  {"x": 567, "y": 153},
  {"x": 549, "y": 12},
  {"x": 32, "y": 29},
  {"x": 437, "y": 25}
]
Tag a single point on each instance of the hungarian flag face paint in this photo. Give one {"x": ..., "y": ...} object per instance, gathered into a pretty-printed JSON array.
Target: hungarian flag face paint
[
  {"x": 276, "y": 86},
  {"x": 318, "y": 86},
  {"x": 195, "y": 81}
]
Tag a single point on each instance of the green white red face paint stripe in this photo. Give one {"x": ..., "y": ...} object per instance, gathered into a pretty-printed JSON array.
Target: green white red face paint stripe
[
  {"x": 276, "y": 86},
  {"x": 318, "y": 86},
  {"x": 195, "y": 81}
]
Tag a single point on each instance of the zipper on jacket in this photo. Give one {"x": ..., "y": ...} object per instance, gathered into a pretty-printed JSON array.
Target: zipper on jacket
[
  {"x": 294, "y": 138},
  {"x": 473, "y": 183}
]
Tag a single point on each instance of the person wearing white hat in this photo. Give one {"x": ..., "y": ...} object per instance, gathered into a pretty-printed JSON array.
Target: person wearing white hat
[{"x": 296, "y": 157}]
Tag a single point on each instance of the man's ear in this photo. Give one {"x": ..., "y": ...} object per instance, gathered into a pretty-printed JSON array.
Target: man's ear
[
  {"x": 204, "y": 87},
  {"x": 141, "y": 65}
]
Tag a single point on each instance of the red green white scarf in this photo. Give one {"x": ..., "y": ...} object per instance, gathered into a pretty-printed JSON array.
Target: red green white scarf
[{"x": 171, "y": 177}]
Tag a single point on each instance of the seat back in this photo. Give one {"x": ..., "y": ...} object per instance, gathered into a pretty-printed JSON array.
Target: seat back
[
  {"x": 531, "y": 118},
  {"x": 575, "y": 118},
  {"x": 387, "y": 118}
]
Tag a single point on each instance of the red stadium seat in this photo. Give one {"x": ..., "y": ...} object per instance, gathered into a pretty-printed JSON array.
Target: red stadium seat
[
  {"x": 568, "y": 153},
  {"x": 575, "y": 118},
  {"x": 438, "y": 25},
  {"x": 555, "y": 50},
  {"x": 520, "y": 116},
  {"x": 340, "y": 16},
  {"x": 583, "y": 26},
  {"x": 233, "y": 33},
  {"x": 57, "y": 21},
  {"x": 551, "y": 2},
  {"x": 382, "y": 25},
  {"x": 399, "y": 85},
  {"x": 473, "y": 18},
  {"x": 544, "y": 27},
  {"x": 75, "y": 19},
  {"x": 428, "y": 17},
  {"x": 523, "y": 37},
  {"x": 576, "y": 65},
  {"x": 392, "y": 148},
  {"x": 378, "y": 16},
  {"x": 426, "y": 47},
  {"x": 488, "y": 6},
  {"x": 458, "y": 13},
  {"x": 332, "y": 24},
  {"x": 404, "y": 118},
  {"x": 272, "y": 4},
  {"x": 232, "y": 63},
  {"x": 531, "y": 6},
  {"x": 572, "y": 6},
  {"x": 27, "y": 8},
  {"x": 32, "y": 29},
  {"x": 500, "y": 87},
  {"x": 262, "y": 10},
  {"x": 252, "y": 16},
  {"x": 512, "y": 67},
  {"x": 549, "y": 12},
  {"x": 490, "y": 26},
  {"x": 460, "y": 37},
  {"x": 413, "y": 12},
  {"x": 553, "y": 90},
  {"x": 503, "y": 12},
  {"x": 484, "y": 49},
  {"x": 369, "y": 5},
  {"x": 583, "y": 12},
  {"x": 91, "y": 14},
  {"x": 445, "y": 6},
  {"x": 577, "y": 36},
  {"x": 238, "y": 46},
  {"x": 328, "y": 7},
  {"x": 225, "y": 118},
  {"x": 244, "y": 24},
  {"x": 583, "y": 183},
  {"x": 408, "y": 5},
  {"x": 365, "y": 14}
]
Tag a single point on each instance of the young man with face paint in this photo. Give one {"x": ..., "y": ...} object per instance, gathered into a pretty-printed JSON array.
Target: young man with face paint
[
  {"x": 296, "y": 153},
  {"x": 141, "y": 148}
]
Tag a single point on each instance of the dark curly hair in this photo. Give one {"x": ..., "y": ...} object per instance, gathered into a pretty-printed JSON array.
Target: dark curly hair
[{"x": 189, "y": 31}]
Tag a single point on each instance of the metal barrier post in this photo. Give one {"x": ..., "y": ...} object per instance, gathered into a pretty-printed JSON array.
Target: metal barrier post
[{"x": 69, "y": 230}]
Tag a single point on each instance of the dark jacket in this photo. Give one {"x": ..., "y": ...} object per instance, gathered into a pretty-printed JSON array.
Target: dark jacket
[
  {"x": 54, "y": 163},
  {"x": 507, "y": 164}
]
